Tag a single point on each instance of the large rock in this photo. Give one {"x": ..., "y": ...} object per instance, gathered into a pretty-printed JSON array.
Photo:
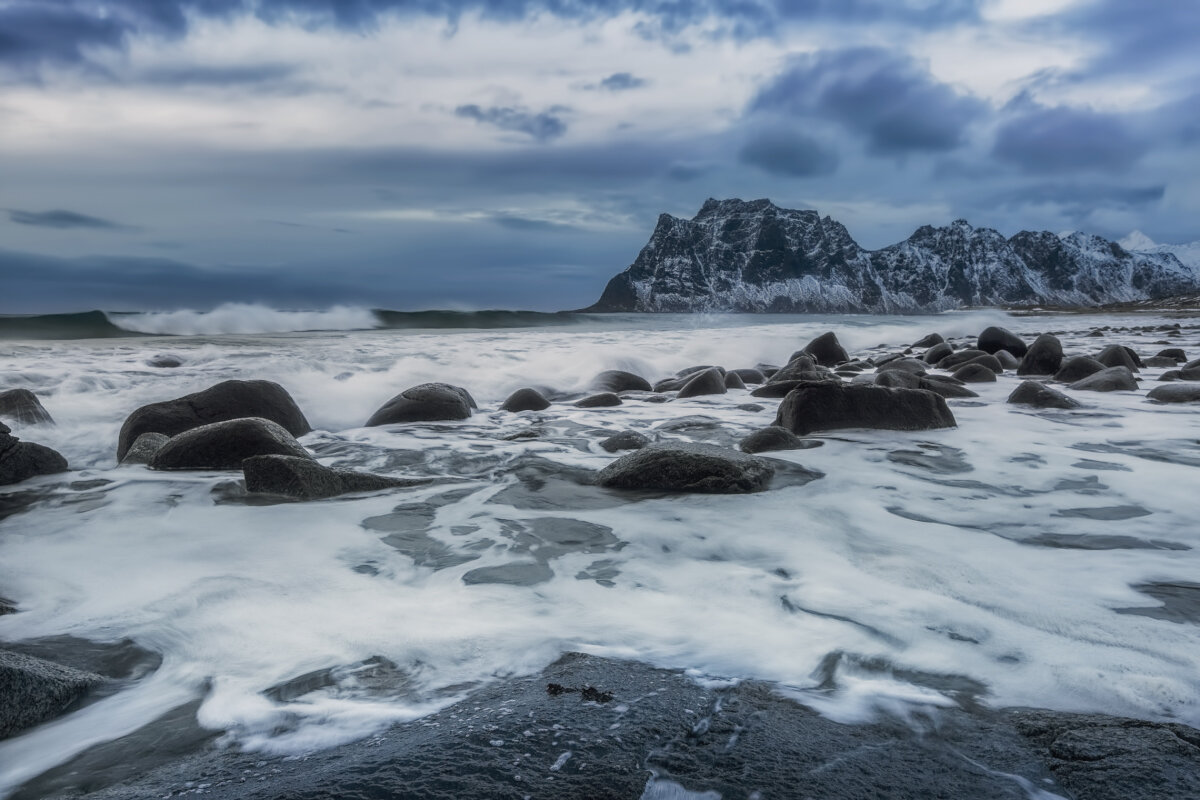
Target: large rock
[
  {"x": 23, "y": 406},
  {"x": 988, "y": 361},
  {"x": 800, "y": 368},
  {"x": 1044, "y": 356},
  {"x": 975, "y": 372},
  {"x": 936, "y": 353},
  {"x": 734, "y": 381},
  {"x": 1006, "y": 359},
  {"x": 1077, "y": 368},
  {"x": 1038, "y": 395},
  {"x": 22, "y": 460},
  {"x": 687, "y": 467},
  {"x": 904, "y": 365},
  {"x": 1175, "y": 393},
  {"x": 1117, "y": 356},
  {"x": 1113, "y": 379},
  {"x": 426, "y": 402},
  {"x": 625, "y": 440},
  {"x": 749, "y": 375},
  {"x": 144, "y": 448},
  {"x": 996, "y": 338},
  {"x": 929, "y": 340},
  {"x": 828, "y": 406},
  {"x": 224, "y": 445},
  {"x": 35, "y": 690},
  {"x": 826, "y": 350},
  {"x": 770, "y": 438},
  {"x": 710, "y": 381},
  {"x": 602, "y": 400},
  {"x": 957, "y": 359},
  {"x": 224, "y": 401},
  {"x": 1174, "y": 353},
  {"x": 304, "y": 479},
  {"x": 616, "y": 380},
  {"x": 526, "y": 399}
]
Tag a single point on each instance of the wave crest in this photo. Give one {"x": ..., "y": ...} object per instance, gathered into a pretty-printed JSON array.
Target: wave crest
[{"x": 246, "y": 318}]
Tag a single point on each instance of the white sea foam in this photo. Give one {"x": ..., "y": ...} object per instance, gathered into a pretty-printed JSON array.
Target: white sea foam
[
  {"x": 245, "y": 318},
  {"x": 900, "y": 568}
]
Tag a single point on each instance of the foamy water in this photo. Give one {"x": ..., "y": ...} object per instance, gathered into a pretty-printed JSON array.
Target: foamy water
[{"x": 917, "y": 553}]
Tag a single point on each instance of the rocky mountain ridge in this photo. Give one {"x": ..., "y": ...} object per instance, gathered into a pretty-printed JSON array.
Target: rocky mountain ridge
[{"x": 753, "y": 256}]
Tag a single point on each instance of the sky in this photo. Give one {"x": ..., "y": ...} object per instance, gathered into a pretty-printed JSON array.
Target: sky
[{"x": 471, "y": 154}]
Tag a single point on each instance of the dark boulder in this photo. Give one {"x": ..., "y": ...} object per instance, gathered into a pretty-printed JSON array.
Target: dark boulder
[
  {"x": 686, "y": 371},
  {"x": 35, "y": 690},
  {"x": 749, "y": 375},
  {"x": 602, "y": 400},
  {"x": 995, "y": 338},
  {"x": 625, "y": 440},
  {"x": 1044, "y": 356},
  {"x": 164, "y": 361},
  {"x": 945, "y": 386},
  {"x": 616, "y": 380},
  {"x": 144, "y": 448},
  {"x": 800, "y": 368},
  {"x": 1189, "y": 374},
  {"x": 304, "y": 479},
  {"x": 779, "y": 389},
  {"x": 1160, "y": 362},
  {"x": 1175, "y": 393},
  {"x": 224, "y": 401},
  {"x": 1077, "y": 368},
  {"x": 892, "y": 378},
  {"x": 734, "y": 381},
  {"x": 936, "y": 353},
  {"x": 1169, "y": 375},
  {"x": 826, "y": 350},
  {"x": 975, "y": 373},
  {"x": 1113, "y": 379},
  {"x": 988, "y": 361},
  {"x": 23, "y": 406},
  {"x": 711, "y": 381},
  {"x": 828, "y": 406},
  {"x": 687, "y": 467},
  {"x": 770, "y": 438},
  {"x": 1117, "y": 356},
  {"x": 960, "y": 357},
  {"x": 669, "y": 385},
  {"x": 1006, "y": 359},
  {"x": 1173, "y": 353},
  {"x": 904, "y": 365},
  {"x": 23, "y": 460},
  {"x": 525, "y": 400},
  {"x": 427, "y": 402},
  {"x": 929, "y": 341},
  {"x": 224, "y": 445},
  {"x": 1038, "y": 395}
]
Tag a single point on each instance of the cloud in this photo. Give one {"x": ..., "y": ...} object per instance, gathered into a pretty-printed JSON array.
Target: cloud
[
  {"x": 542, "y": 126},
  {"x": 63, "y": 220},
  {"x": 787, "y": 152},
  {"x": 888, "y": 97},
  {"x": 1065, "y": 139},
  {"x": 1081, "y": 196},
  {"x": 621, "y": 81},
  {"x": 206, "y": 75}
]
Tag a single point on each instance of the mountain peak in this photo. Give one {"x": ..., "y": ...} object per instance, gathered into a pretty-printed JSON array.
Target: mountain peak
[
  {"x": 1136, "y": 241},
  {"x": 739, "y": 255}
]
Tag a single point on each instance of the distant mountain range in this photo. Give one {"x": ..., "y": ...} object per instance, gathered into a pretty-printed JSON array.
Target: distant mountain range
[{"x": 755, "y": 256}]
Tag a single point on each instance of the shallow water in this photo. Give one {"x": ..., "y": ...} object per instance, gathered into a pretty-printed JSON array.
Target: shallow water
[{"x": 1020, "y": 555}]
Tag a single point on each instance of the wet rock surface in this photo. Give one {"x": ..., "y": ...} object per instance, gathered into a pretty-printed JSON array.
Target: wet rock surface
[
  {"x": 600, "y": 728},
  {"x": 227, "y": 400},
  {"x": 20, "y": 461},
  {"x": 824, "y": 406},
  {"x": 35, "y": 690},
  {"x": 224, "y": 445},
  {"x": 687, "y": 467},
  {"x": 427, "y": 402},
  {"x": 526, "y": 399},
  {"x": 302, "y": 478},
  {"x": 1039, "y": 395},
  {"x": 23, "y": 406}
]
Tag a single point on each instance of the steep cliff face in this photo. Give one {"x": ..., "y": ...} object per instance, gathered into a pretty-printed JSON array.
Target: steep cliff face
[{"x": 755, "y": 256}]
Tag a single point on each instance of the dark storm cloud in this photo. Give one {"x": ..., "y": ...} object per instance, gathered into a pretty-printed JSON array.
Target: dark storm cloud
[
  {"x": 203, "y": 75},
  {"x": 33, "y": 32},
  {"x": 887, "y": 97},
  {"x": 621, "y": 81},
  {"x": 1065, "y": 139},
  {"x": 1136, "y": 36},
  {"x": 1084, "y": 197},
  {"x": 787, "y": 152},
  {"x": 543, "y": 125},
  {"x": 62, "y": 220}
]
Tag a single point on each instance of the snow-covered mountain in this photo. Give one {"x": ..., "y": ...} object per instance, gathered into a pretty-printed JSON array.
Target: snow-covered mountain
[
  {"x": 754, "y": 256},
  {"x": 1188, "y": 254}
]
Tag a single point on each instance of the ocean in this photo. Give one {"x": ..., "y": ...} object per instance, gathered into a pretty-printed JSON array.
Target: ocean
[{"x": 1023, "y": 558}]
